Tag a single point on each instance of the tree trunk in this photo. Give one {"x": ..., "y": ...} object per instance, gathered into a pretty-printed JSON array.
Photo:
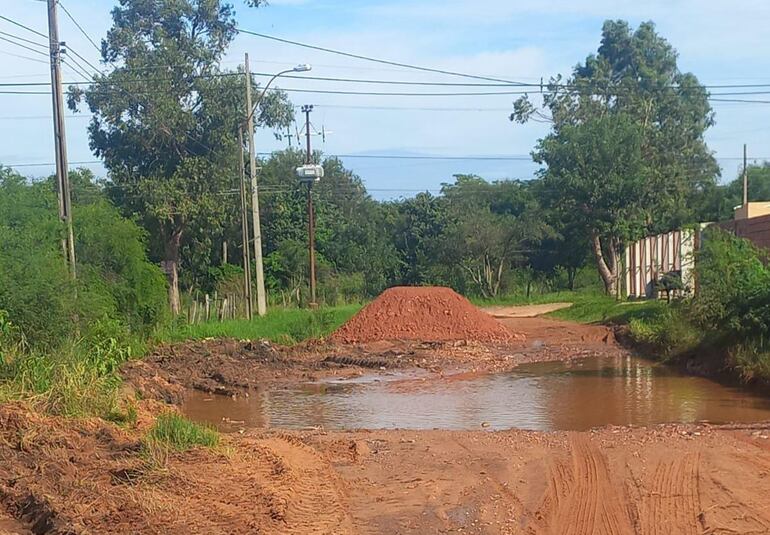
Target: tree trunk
[
  {"x": 608, "y": 273},
  {"x": 571, "y": 274},
  {"x": 172, "y": 269}
]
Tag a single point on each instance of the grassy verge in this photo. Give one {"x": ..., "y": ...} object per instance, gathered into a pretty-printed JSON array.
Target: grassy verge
[
  {"x": 587, "y": 306},
  {"x": 285, "y": 325}
]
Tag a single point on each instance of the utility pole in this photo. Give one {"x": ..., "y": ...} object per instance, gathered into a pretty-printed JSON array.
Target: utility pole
[
  {"x": 745, "y": 178},
  {"x": 245, "y": 233},
  {"x": 260, "y": 273},
  {"x": 60, "y": 139},
  {"x": 310, "y": 209}
]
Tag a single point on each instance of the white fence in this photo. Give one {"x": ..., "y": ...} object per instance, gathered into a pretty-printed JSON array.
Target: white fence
[{"x": 647, "y": 260}]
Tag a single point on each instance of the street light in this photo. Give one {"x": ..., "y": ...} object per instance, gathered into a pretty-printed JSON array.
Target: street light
[
  {"x": 249, "y": 126},
  {"x": 302, "y": 67}
]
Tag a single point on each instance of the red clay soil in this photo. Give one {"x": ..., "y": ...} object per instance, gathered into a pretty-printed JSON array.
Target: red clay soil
[{"x": 429, "y": 313}]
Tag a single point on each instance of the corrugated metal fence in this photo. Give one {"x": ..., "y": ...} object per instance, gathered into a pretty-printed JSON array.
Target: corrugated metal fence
[{"x": 647, "y": 260}]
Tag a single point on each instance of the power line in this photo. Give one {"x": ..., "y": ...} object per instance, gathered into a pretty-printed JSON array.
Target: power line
[
  {"x": 376, "y": 60},
  {"x": 23, "y": 57},
  {"x": 35, "y": 50},
  {"x": 20, "y": 25},
  {"x": 79, "y": 27},
  {"x": 30, "y": 41},
  {"x": 511, "y": 157},
  {"x": 69, "y": 49}
]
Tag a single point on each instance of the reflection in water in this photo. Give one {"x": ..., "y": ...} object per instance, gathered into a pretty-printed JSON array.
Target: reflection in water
[{"x": 548, "y": 396}]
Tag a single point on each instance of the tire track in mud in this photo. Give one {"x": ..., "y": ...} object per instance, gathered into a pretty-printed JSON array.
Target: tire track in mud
[
  {"x": 581, "y": 497},
  {"x": 673, "y": 503},
  {"x": 737, "y": 510},
  {"x": 306, "y": 494}
]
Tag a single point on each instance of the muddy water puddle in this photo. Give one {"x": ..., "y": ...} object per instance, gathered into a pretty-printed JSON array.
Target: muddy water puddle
[{"x": 550, "y": 396}]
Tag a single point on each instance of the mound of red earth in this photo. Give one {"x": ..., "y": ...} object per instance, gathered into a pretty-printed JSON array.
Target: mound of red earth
[{"x": 430, "y": 314}]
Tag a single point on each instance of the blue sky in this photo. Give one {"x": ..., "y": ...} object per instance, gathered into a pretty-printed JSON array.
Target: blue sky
[{"x": 721, "y": 42}]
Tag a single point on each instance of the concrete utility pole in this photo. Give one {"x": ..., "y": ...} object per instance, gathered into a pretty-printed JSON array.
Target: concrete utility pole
[
  {"x": 745, "y": 178},
  {"x": 245, "y": 233},
  {"x": 260, "y": 272},
  {"x": 60, "y": 140},
  {"x": 310, "y": 209}
]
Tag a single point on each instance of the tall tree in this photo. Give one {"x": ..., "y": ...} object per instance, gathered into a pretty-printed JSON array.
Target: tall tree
[
  {"x": 492, "y": 227},
  {"x": 631, "y": 88},
  {"x": 166, "y": 117}
]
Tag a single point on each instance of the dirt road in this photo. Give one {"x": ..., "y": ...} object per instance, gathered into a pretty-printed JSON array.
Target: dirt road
[
  {"x": 672, "y": 480},
  {"x": 60, "y": 476}
]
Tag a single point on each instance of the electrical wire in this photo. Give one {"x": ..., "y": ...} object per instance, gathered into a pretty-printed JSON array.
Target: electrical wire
[
  {"x": 35, "y": 50},
  {"x": 79, "y": 27},
  {"x": 20, "y": 25},
  {"x": 23, "y": 57},
  {"x": 30, "y": 41},
  {"x": 376, "y": 60}
]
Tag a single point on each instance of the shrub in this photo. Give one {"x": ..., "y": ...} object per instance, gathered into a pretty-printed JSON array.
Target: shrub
[
  {"x": 115, "y": 279},
  {"x": 733, "y": 296}
]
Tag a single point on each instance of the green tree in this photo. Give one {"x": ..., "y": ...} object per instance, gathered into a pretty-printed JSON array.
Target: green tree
[
  {"x": 719, "y": 203},
  {"x": 416, "y": 228},
  {"x": 115, "y": 281},
  {"x": 492, "y": 228},
  {"x": 597, "y": 176},
  {"x": 631, "y": 88},
  {"x": 349, "y": 227},
  {"x": 165, "y": 121}
]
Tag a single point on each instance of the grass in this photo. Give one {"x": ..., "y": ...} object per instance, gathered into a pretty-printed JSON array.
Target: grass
[
  {"x": 596, "y": 308},
  {"x": 64, "y": 383},
  {"x": 588, "y": 306},
  {"x": 284, "y": 325},
  {"x": 173, "y": 431}
]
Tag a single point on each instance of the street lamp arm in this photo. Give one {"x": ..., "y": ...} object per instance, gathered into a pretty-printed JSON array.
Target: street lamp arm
[{"x": 264, "y": 92}]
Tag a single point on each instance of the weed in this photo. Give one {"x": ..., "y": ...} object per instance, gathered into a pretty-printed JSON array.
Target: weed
[{"x": 175, "y": 432}]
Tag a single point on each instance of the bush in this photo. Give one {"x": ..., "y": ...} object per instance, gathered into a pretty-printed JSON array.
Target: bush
[
  {"x": 65, "y": 383},
  {"x": 733, "y": 296},
  {"x": 115, "y": 281}
]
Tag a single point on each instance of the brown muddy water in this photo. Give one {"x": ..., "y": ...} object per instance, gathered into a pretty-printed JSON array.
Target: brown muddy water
[{"x": 548, "y": 396}]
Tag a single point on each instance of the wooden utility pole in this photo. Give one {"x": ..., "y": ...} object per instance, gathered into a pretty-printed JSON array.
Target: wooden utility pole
[
  {"x": 745, "y": 178},
  {"x": 310, "y": 209},
  {"x": 60, "y": 139},
  {"x": 245, "y": 234},
  {"x": 260, "y": 273}
]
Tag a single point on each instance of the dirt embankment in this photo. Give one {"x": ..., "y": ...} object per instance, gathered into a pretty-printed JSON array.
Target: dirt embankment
[
  {"x": 231, "y": 367},
  {"x": 64, "y": 477}
]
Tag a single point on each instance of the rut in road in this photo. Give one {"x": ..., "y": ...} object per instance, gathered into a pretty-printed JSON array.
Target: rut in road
[
  {"x": 582, "y": 497},
  {"x": 673, "y": 503},
  {"x": 306, "y": 494}
]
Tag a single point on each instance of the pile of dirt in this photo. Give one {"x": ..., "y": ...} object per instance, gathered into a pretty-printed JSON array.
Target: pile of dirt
[{"x": 430, "y": 313}]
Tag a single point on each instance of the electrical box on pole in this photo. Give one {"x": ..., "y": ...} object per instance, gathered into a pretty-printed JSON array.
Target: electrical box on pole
[{"x": 310, "y": 173}]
